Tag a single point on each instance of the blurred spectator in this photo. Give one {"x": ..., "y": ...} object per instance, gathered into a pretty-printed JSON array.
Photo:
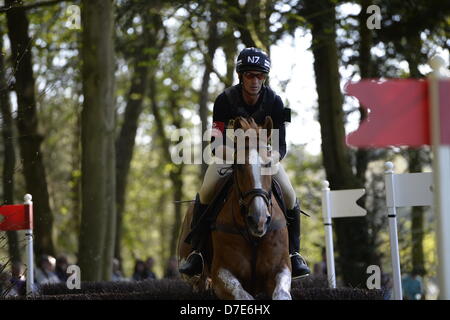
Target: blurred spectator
[
  {"x": 7, "y": 284},
  {"x": 386, "y": 286},
  {"x": 320, "y": 269},
  {"x": 117, "y": 274},
  {"x": 412, "y": 286},
  {"x": 6, "y": 288},
  {"x": 149, "y": 264},
  {"x": 139, "y": 270},
  {"x": 172, "y": 269},
  {"x": 61, "y": 268},
  {"x": 18, "y": 277},
  {"x": 45, "y": 272}
]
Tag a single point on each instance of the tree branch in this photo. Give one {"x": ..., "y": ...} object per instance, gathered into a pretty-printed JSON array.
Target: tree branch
[
  {"x": 33, "y": 5},
  {"x": 207, "y": 59}
]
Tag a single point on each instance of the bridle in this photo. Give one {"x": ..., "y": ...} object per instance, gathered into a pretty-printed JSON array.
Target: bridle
[
  {"x": 267, "y": 196},
  {"x": 253, "y": 193},
  {"x": 245, "y": 198}
]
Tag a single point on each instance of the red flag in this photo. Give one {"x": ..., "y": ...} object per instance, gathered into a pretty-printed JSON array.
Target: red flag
[
  {"x": 444, "y": 110},
  {"x": 16, "y": 217},
  {"x": 398, "y": 114}
]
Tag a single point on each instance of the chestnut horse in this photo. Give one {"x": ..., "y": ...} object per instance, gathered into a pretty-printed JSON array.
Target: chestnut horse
[{"x": 248, "y": 248}]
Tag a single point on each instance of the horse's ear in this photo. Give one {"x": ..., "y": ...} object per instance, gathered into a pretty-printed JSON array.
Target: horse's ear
[
  {"x": 237, "y": 123},
  {"x": 268, "y": 125},
  {"x": 252, "y": 123}
]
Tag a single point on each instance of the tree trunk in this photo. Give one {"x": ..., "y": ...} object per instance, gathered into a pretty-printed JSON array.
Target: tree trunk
[
  {"x": 212, "y": 44},
  {"x": 257, "y": 15},
  {"x": 363, "y": 156},
  {"x": 365, "y": 69},
  {"x": 176, "y": 171},
  {"x": 98, "y": 218},
  {"x": 238, "y": 16},
  {"x": 352, "y": 233},
  {"x": 126, "y": 140},
  {"x": 27, "y": 123},
  {"x": 229, "y": 48},
  {"x": 152, "y": 25},
  {"x": 415, "y": 165},
  {"x": 163, "y": 250},
  {"x": 417, "y": 219},
  {"x": 75, "y": 177},
  {"x": 176, "y": 177},
  {"x": 10, "y": 157}
]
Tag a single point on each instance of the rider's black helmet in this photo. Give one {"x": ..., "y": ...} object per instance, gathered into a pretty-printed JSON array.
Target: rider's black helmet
[{"x": 253, "y": 59}]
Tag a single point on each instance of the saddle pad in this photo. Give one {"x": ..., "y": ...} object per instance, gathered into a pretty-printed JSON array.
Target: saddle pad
[{"x": 211, "y": 212}]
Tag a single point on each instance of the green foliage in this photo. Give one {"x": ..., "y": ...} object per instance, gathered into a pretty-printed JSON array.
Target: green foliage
[
  {"x": 306, "y": 175},
  {"x": 176, "y": 69}
]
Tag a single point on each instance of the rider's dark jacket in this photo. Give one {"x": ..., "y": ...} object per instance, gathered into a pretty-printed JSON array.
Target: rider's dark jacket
[{"x": 230, "y": 104}]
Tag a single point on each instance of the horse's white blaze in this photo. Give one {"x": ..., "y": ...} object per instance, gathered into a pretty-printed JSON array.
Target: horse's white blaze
[
  {"x": 283, "y": 286},
  {"x": 255, "y": 160},
  {"x": 232, "y": 285}
]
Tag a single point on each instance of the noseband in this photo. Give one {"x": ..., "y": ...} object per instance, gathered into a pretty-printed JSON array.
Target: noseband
[{"x": 257, "y": 192}]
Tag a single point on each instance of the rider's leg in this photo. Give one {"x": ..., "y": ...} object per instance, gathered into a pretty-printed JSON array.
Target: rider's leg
[
  {"x": 194, "y": 262},
  {"x": 299, "y": 266},
  {"x": 199, "y": 226}
]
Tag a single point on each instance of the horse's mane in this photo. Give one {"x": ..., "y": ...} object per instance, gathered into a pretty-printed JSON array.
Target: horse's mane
[{"x": 247, "y": 123}]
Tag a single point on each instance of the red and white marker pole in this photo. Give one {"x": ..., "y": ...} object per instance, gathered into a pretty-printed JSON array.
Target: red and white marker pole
[
  {"x": 440, "y": 122},
  {"x": 326, "y": 211},
  {"x": 29, "y": 245},
  {"x": 393, "y": 234}
]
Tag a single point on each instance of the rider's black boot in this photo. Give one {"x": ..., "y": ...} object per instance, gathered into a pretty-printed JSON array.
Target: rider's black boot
[
  {"x": 299, "y": 266},
  {"x": 193, "y": 266}
]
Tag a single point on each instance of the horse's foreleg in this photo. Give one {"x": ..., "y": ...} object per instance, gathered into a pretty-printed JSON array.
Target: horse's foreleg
[
  {"x": 282, "y": 285},
  {"x": 227, "y": 286}
]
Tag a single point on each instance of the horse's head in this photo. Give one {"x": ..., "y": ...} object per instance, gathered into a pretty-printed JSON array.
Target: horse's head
[{"x": 254, "y": 188}]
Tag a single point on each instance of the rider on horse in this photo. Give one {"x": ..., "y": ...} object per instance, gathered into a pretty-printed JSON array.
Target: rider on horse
[{"x": 249, "y": 98}]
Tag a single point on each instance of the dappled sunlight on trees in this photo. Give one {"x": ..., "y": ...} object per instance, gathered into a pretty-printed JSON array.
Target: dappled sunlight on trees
[{"x": 66, "y": 107}]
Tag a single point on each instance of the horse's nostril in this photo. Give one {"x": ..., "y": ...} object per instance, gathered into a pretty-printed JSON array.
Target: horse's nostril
[
  {"x": 268, "y": 220},
  {"x": 251, "y": 221}
]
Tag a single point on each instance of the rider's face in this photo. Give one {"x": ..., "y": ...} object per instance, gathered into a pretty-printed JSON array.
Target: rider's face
[{"x": 252, "y": 81}]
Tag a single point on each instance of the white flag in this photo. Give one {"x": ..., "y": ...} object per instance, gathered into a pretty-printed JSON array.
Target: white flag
[
  {"x": 343, "y": 203},
  {"x": 410, "y": 189}
]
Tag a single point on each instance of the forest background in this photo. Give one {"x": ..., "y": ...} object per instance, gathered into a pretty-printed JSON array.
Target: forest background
[{"x": 90, "y": 92}]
